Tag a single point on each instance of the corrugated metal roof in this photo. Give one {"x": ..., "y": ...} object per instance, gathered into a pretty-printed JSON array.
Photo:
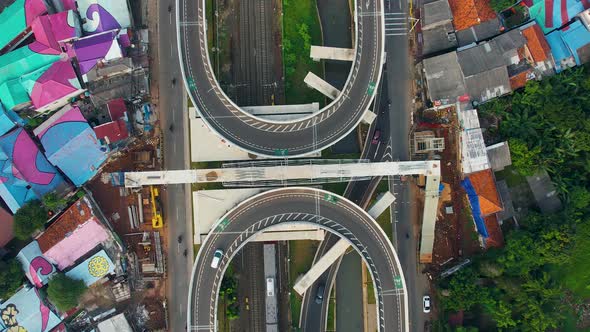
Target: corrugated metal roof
[
  {"x": 473, "y": 151},
  {"x": 440, "y": 38},
  {"x": 489, "y": 84},
  {"x": 468, "y": 119},
  {"x": 437, "y": 12},
  {"x": 444, "y": 77},
  {"x": 482, "y": 31},
  {"x": 480, "y": 58},
  {"x": 499, "y": 156}
]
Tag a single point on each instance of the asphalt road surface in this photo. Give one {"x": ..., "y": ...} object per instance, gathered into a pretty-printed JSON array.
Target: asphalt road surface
[
  {"x": 294, "y": 138},
  {"x": 398, "y": 75},
  {"x": 305, "y": 205},
  {"x": 176, "y": 198}
]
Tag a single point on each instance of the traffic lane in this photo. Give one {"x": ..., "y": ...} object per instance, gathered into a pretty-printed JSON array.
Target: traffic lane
[
  {"x": 264, "y": 137},
  {"x": 171, "y": 105},
  {"x": 397, "y": 57},
  {"x": 300, "y": 205}
]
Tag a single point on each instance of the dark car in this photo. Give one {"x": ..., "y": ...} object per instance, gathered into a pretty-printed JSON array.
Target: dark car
[
  {"x": 376, "y": 137},
  {"x": 319, "y": 296}
]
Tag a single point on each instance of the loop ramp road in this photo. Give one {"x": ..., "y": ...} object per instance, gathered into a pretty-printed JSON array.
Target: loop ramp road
[
  {"x": 299, "y": 205},
  {"x": 292, "y": 138}
]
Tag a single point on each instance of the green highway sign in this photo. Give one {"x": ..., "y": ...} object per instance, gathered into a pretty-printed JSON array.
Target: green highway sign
[
  {"x": 398, "y": 282},
  {"x": 371, "y": 88},
  {"x": 331, "y": 198},
  {"x": 281, "y": 152},
  {"x": 222, "y": 225}
]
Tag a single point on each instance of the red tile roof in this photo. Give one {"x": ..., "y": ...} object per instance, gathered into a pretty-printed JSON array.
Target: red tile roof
[
  {"x": 495, "y": 235},
  {"x": 485, "y": 187},
  {"x": 518, "y": 81},
  {"x": 536, "y": 43},
  {"x": 467, "y": 13},
  {"x": 114, "y": 130},
  {"x": 77, "y": 214},
  {"x": 116, "y": 108},
  {"x": 6, "y": 232}
]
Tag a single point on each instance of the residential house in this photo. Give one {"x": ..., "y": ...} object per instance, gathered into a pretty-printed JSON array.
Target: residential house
[
  {"x": 26, "y": 173},
  {"x": 553, "y": 14},
  {"x": 74, "y": 233},
  {"x": 438, "y": 33},
  {"x": 71, "y": 145},
  {"x": 93, "y": 269},
  {"x": 474, "y": 21},
  {"x": 26, "y": 311},
  {"x": 570, "y": 46},
  {"x": 115, "y": 130},
  {"x": 444, "y": 78}
]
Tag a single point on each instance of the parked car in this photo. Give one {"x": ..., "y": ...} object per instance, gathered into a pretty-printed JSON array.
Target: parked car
[
  {"x": 376, "y": 136},
  {"x": 426, "y": 304},
  {"x": 319, "y": 296},
  {"x": 216, "y": 258}
]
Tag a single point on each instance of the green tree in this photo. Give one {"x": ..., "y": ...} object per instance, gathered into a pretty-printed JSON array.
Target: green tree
[
  {"x": 525, "y": 160},
  {"x": 29, "y": 218},
  {"x": 579, "y": 198},
  {"x": 65, "y": 292},
  {"x": 500, "y": 5},
  {"x": 53, "y": 202},
  {"x": 11, "y": 278},
  {"x": 463, "y": 291},
  {"x": 501, "y": 313}
]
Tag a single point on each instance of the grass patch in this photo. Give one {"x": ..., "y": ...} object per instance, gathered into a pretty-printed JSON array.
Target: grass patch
[
  {"x": 196, "y": 248},
  {"x": 331, "y": 323},
  {"x": 384, "y": 221},
  {"x": 511, "y": 176},
  {"x": 370, "y": 288},
  {"x": 337, "y": 188},
  {"x": 301, "y": 29},
  {"x": 301, "y": 255},
  {"x": 577, "y": 271},
  {"x": 189, "y": 102}
]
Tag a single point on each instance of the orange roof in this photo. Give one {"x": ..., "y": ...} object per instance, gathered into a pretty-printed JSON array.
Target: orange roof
[
  {"x": 518, "y": 80},
  {"x": 76, "y": 215},
  {"x": 536, "y": 42},
  {"x": 485, "y": 187},
  {"x": 467, "y": 13},
  {"x": 495, "y": 236}
]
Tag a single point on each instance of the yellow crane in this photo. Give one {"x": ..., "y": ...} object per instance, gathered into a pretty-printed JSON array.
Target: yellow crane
[{"x": 157, "y": 221}]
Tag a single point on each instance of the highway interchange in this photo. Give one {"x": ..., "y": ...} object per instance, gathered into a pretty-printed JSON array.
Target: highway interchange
[
  {"x": 301, "y": 205},
  {"x": 294, "y": 139}
]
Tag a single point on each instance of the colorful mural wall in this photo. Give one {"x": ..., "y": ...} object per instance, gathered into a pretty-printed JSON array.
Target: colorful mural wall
[{"x": 25, "y": 312}]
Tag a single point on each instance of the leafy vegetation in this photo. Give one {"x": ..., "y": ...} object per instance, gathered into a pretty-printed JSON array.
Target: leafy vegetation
[
  {"x": 29, "y": 218},
  {"x": 65, "y": 292},
  {"x": 533, "y": 282},
  {"x": 301, "y": 29},
  {"x": 53, "y": 202},
  {"x": 228, "y": 292},
  {"x": 11, "y": 278},
  {"x": 499, "y": 5}
]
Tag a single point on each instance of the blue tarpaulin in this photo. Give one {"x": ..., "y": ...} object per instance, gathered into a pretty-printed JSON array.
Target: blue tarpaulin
[{"x": 474, "y": 202}]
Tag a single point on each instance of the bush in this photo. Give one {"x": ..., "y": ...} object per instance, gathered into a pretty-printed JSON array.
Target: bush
[
  {"x": 29, "y": 218},
  {"x": 65, "y": 292},
  {"x": 11, "y": 278}
]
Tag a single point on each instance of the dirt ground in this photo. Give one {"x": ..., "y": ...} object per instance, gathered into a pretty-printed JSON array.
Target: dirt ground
[{"x": 455, "y": 234}]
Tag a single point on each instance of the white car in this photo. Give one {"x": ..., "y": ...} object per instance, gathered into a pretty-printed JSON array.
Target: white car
[
  {"x": 216, "y": 258},
  {"x": 426, "y": 304}
]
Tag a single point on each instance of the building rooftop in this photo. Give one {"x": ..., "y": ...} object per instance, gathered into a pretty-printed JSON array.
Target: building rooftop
[
  {"x": 36, "y": 267},
  {"x": 485, "y": 186},
  {"x": 15, "y": 18},
  {"x": 26, "y": 173},
  {"x": 59, "y": 81},
  {"x": 444, "y": 77},
  {"x": 506, "y": 198},
  {"x": 536, "y": 43},
  {"x": 27, "y": 311},
  {"x": 104, "y": 15},
  {"x": 476, "y": 33},
  {"x": 117, "y": 323},
  {"x": 93, "y": 269},
  {"x": 553, "y": 14},
  {"x": 114, "y": 131},
  {"x": 71, "y": 145},
  {"x": 544, "y": 192},
  {"x": 468, "y": 13},
  {"x": 117, "y": 108},
  {"x": 499, "y": 156},
  {"x": 435, "y": 13},
  {"x": 8, "y": 120},
  {"x": 91, "y": 50},
  {"x": 495, "y": 237},
  {"x": 72, "y": 235},
  {"x": 488, "y": 84},
  {"x": 480, "y": 58},
  {"x": 439, "y": 38}
]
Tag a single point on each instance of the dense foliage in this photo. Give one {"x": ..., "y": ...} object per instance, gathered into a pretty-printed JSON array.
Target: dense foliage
[
  {"x": 500, "y": 5},
  {"x": 29, "y": 218},
  {"x": 11, "y": 277},
  {"x": 532, "y": 283},
  {"x": 228, "y": 292},
  {"x": 65, "y": 292}
]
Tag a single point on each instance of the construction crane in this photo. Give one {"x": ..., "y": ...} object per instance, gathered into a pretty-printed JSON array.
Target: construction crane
[{"x": 157, "y": 221}]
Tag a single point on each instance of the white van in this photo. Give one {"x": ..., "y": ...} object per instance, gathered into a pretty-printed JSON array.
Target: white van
[
  {"x": 270, "y": 287},
  {"x": 216, "y": 258}
]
